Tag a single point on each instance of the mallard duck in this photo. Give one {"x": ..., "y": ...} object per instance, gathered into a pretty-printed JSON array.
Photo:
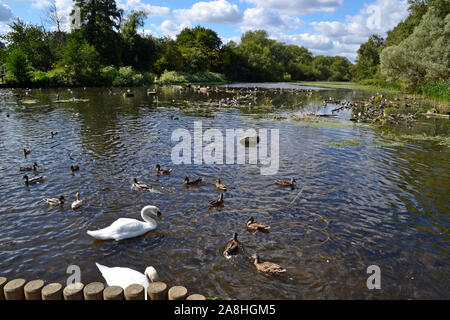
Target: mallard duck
[
  {"x": 141, "y": 186},
  {"x": 218, "y": 202},
  {"x": 267, "y": 267},
  {"x": 232, "y": 248},
  {"x": 53, "y": 133},
  {"x": 160, "y": 171},
  {"x": 77, "y": 203},
  {"x": 32, "y": 180},
  {"x": 220, "y": 185},
  {"x": 190, "y": 182},
  {"x": 256, "y": 226},
  {"x": 26, "y": 152},
  {"x": 32, "y": 168},
  {"x": 74, "y": 168},
  {"x": 54, "y": 201},
  {"x": 286, "y": 183}
]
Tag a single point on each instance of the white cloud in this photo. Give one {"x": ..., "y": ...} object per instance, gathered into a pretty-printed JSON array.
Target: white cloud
[
  {"x": 260, "y": 18},
  {"x": 149, "y": 9},
  {"x": 344, "y": 38},
  {"x": 171, "y": 29},
  {"x": 298, "y": 7},
  {"x": 220, "y": 12},
  {"x": 6, "y": 13}
]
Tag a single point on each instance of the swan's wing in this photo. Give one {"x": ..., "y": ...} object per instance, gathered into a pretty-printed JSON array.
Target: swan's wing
[
  {"x": 122, "y": 228},
  {"x": 122, "y": 277}
]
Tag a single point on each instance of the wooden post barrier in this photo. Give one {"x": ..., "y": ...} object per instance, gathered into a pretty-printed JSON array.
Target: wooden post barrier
[
  {"x": 157, "y": 291},
  {"x": 177, "y": 293},
  {"x": 14, "y": 290},
  {"x": 73, "y": 291},
  {"x": 196, "y": 297},
  {"x": 52, "y": 291},
  {"x": 113, "y": 293},
  {"x": 3, "y": 281},
  {"x": 135, "y": 292},
  {"x": 94, "y": 291},
  {"x": 33, "y": 290}
]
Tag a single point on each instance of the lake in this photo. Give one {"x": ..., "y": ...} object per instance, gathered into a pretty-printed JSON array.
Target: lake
[{"x": 363, "y": 196}]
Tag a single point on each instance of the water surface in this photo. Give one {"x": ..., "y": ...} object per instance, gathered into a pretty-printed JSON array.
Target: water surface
[{"x": 374, "y": 201}]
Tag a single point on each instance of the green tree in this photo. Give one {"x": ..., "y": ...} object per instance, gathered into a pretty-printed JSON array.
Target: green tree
[
  {"x": 424, "y": 55},
  {"x": 80, "y": 62},
  {"x": 100, "y": 23},
  {"x": 368, "y": 60},
  {"x": 19, "y": 66},
  {"x": 33, "y": 40},
  {"x": 169, "y": 56}
]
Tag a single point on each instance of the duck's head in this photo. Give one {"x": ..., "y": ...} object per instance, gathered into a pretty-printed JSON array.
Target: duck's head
[
  {"x": 186, "y": 179},
  {"x": 35, "y": 165},
  {"x": 218, "y": 180},
  {"x": 250, "y": 220},
  {"x": 293, "y": 181},
  {"x": 25, "y": 177},
  {"x": 235, "y": 236},
  {"x": 158, "y": 166},
  {"x": 135, "y": 180},
  {"x": 151, "y": 274},
  {"x": 255, "y": 257}
]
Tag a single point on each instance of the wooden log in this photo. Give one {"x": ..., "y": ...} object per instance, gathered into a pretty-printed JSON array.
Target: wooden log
[
  {"x": 157, "y": 291},
  {"x": 113, "y": 293},
  {"x": 3, "y": 281},
  {"x": 14, "y": 289},
  {"x": 196, "y": 297},
  {"x": 73, "y": 291},
  {"x": 52, "y": 291},
  {"x": 177, "y": 293},
  {"x": 94, "y": 291},
  {"x": 33, "y": 290},
  {"x": 135, "y": 292}
]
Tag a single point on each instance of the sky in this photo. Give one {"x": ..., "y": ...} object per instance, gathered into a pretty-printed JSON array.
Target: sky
[{"x": 325, "y": 27}]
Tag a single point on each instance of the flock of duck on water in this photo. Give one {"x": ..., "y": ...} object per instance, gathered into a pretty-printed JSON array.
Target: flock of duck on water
[{"x": 125, "y": 228}]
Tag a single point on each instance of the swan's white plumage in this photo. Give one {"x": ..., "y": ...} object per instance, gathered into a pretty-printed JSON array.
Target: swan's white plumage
[
  {"x": 125, "y": 228},
  {"x": 124, "y": 277}
]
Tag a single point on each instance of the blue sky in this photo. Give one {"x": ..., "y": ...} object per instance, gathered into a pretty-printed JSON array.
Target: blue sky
[{"x": 326, "y": 27}]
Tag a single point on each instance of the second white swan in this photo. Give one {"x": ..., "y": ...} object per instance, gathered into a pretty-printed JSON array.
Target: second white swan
[{"x": 125, "y": 228}]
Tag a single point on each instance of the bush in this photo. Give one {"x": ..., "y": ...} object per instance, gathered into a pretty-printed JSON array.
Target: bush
[
  {"x": 108, "y": 74},
  {"x": 124, "y": 77},
  {"x": 169, "y": 77},
  {"x": 41, "y": 78},
  {"x": 19, "y": 66},
  {"x": 437, "y": 90}
]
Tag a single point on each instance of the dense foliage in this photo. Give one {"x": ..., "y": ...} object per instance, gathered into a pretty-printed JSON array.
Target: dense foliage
[
  {"x": 415, "y": 54},
  {"x": 108, "y": 49}
]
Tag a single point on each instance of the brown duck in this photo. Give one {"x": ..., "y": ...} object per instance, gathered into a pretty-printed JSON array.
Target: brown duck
[
  {"x": 232, "y": 248},
  {"x": 256, "y": 226},
  {"x": 190, "y": 182},
  {"x": 217, "y": 203},
  {"x": 220, "y": 186},
  {"x": 32, "y": 168},
  {"x": 160, "y": 171},
  {"x": 267, "y": 267},
  {"x": 286, "y": 183}
]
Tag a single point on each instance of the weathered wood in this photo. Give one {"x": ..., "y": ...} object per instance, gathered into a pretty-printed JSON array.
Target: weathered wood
[
  {"x": 52, "y": 291},
  {"x": 14, "y": 289},
  {"x": 113, "y": 293},
  {"x": 3, "y": 281},
  {"x": 94, "y": 291},
  {"x": 33, "y": 290},
  {"x": 177, "y": 293},
  {"x": 196, "y": 297},
  {"x": 157, "y": 291},
  {"x": 73, "y": 291},
  {"x": 135, "y": 292}
]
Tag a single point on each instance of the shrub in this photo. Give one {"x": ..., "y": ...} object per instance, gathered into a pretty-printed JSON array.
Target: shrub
[
  {"x": 19, "y": 66},
  {"x": 169, "y": 77},
  {"x": 108, "y": 74}
]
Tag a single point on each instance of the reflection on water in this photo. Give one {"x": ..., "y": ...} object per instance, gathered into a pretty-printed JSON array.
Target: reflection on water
[{"x": 373, "y": 202}]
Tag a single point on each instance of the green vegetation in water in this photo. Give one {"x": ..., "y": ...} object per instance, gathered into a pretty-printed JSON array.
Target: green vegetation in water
[
  {"x": 414, "y": 138},
  {"x": 343, "y": 143},
  {"x": 30, "y": 101},
  {"x": 346, "y": 85}
]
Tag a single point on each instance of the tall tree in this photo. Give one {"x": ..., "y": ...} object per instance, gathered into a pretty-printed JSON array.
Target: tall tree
[{"x": 100, "y": 22}]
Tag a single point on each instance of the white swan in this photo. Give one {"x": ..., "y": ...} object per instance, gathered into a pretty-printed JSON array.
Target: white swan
[
  {"x": 125, "y": 228},
  {"x": 124, "y": 277}
]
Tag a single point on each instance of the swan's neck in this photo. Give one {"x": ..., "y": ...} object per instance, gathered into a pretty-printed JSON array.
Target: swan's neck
[{"x": 147, "y": 216}]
